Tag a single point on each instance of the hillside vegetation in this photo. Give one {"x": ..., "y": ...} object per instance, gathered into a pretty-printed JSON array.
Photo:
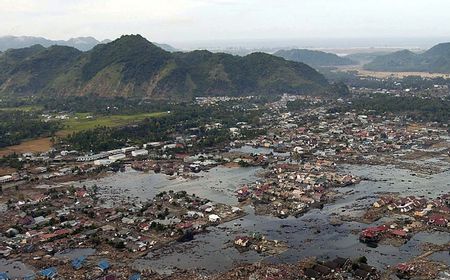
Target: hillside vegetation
[
  {"x": 131, "y": 66},
  {"x": 314, "y": 58},
  {"x": 436, "y": 59}
]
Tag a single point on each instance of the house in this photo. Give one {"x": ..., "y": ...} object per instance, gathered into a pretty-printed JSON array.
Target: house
[
  {"x": 4, "y": 276},
  {"x": 153, "y": 145},
  {"x": 92, "y": 157},
  {"x": 213, "y": 218},
  {"x": 77, "y": 263},
  {"x": 437, "y": 220},
  {"x": 117, "y": 157},
  {"x": 128, "y": 149},
  {"x": 404, "y": 269},
  {"x": 5, "y": 179},
  {"x": 103, "y": 265},
  {"x": 103, "y": 162},
  {"x": 243, "y": 241},
  {"x": 138, "y": 153},
  {"x": 135, "y": 276},
  {"x": 49, "y": 273},
  {"x": 373, "y": 234}
]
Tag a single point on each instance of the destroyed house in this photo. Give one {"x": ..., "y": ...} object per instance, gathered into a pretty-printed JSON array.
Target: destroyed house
[
  {"x": 49, "y": 273},
  {"x": 437, "y": 220},
  {"x": 311, "y": 273},
  {"x": 103, "y": 265},
  {"x": 321, "y": 269},
  {"x": 338, "y": 264},
  {"x": 77, "y": 263}
]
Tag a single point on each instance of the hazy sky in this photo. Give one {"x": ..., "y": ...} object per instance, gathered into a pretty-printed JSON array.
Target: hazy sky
[{"x": 190, "y": 20}]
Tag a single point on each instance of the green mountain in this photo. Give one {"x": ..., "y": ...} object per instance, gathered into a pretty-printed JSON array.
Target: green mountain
[
  {"x": 314, "y": 58},
  {"x": 436, "y": 59},
  {"x": 132, "y": 66}
]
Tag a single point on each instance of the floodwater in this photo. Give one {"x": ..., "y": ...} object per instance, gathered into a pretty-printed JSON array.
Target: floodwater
[
  {"x": 71, "y": 254},
  {"x": 15, "y": 269},
  {"x": 217, "y": 184},
  {"x": 309, "y": 235}
]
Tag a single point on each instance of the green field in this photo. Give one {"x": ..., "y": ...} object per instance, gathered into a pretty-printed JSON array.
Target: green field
[
  {"x": 80, "y": 122},
  {"x": 22, "y": 108}
]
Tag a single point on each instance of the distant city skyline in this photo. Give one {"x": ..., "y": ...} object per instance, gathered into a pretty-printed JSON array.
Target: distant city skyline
[{"x": 235, "y": 23}]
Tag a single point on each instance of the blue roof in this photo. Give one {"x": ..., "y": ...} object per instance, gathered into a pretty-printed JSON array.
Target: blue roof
[
  {"x": 77, "y": 263},
  {"x": 135, "y": 276},
  {"x": 49, "y": 272},
  {"x": 29, "y": 277},
  {"x": 4, "y": 276},
  {"x": 103, "y": 264}
]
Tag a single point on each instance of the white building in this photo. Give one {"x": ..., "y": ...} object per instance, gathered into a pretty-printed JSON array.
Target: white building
[
  {"x": 139, "y": 153},
  {"x": 117, "y": 157},
  {"x": 6, "y": 178},
  {"x": 92, "y": 157},
  {"x": 128, "y": 149},
  {"x": 153, "y": 145},
  {"x": 103, "y": 162}
]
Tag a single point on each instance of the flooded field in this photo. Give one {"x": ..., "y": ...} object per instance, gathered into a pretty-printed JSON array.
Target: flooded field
[
  {"x": 217, "y": 184},
  {"x": 309, "y": 235}
]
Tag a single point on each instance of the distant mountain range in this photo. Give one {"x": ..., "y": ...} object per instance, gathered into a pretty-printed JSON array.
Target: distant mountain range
[
  {"x": 132, "y": 66},
  {"x": 80, "y": 43},
  {"x": 314, "y": 58},
  {"x": 436, "y": 59}
]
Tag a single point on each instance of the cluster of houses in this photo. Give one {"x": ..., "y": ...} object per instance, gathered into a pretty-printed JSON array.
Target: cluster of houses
[
  {"x": 43, "y": 223},
  {"x": 214, "y": 100},
  {"x": 414, "y": 214},
  {"x": 348, "y": 137},
  {"x": 430, "y": 212},
  {"x": 293, "y": 189},
  {"x": 259, "y": 243},
  {"x": 373, "y": 235}
]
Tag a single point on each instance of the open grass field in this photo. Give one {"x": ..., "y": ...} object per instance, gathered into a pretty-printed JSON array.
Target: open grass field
[
  {"x": 76, "y": 123},
  {"x": 33, "y": 146},
  {"x": 81, "y": 122},
  {"x": 382, "y": 75}
]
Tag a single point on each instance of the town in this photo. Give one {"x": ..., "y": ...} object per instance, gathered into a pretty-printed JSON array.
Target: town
[{"x": 52, "y": 204}]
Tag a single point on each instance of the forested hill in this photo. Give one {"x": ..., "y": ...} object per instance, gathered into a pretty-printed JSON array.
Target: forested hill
[
  {"x": 436, "y": 59},
  {"x": 314, "y": 58},
  {"x": 132, "y": 66}
]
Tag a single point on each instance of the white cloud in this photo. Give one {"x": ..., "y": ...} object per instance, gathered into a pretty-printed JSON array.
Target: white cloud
[{"x": 180, "y": 20}]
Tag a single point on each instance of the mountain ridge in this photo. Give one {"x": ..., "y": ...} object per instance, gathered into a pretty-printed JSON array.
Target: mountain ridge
[
  {"x": 435, "y": 59},
  {"x": 133, "y": 66},
  {"x": 314, "y": 58},
  {"x": 80, "y": 43}
]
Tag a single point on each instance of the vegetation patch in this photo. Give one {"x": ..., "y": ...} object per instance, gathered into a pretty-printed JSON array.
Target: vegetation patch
[{"x": 85, "y": 121}]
